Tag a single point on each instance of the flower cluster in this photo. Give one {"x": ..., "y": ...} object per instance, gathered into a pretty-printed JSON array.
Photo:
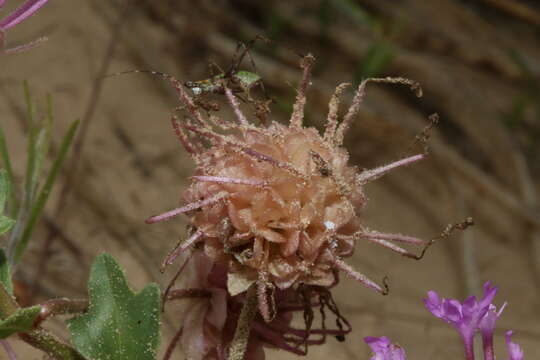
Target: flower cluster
[
  {"x": 277, "y": 207},
  {"x": 469, "y": 318},
  {"x": 23, "y": 12}
]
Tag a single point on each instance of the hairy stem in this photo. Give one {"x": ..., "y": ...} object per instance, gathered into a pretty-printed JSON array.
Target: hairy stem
[{"x": 38, "y": 338}]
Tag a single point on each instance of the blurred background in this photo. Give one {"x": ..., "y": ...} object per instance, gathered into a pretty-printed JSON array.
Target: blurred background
[{"x": 478, "y": 62}]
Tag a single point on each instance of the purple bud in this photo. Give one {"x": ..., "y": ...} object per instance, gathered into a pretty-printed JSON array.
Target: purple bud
[
  {"x": 383, "y": 349},
  {"x": 514, "y": 350}
]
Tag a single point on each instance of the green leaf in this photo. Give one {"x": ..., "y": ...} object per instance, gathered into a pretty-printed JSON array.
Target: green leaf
[
  {"x": 5, "y": 224},
  {"x": 4, "y": 189},
  {"x": 37, "y": 208},
  {"x": 5, "y": 273},
  {"x": 119, "y": 324},
  {"x": 4, "y": 155},
  {"x": 21, "y": 321}
]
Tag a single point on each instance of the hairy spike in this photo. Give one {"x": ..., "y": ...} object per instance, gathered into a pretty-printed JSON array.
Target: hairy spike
[
  {"x": 298, "y": 109},
  {"x": 271, "y": 160},
  {"x": 180, "y": 248},
  {"x": 173, "y": 281},
  {"x": 361, "y": 278},
  {"x": 359, "y": 97},
  {"x": 333, "y": 108},
  {"x": 373, "y": 174},
  {"x": 227, "y": 180},
  {"x": 182, "y": 137},
  {"x": 186, "y": 208},
  {"x": 24, "y": 47},
  {"x": 375, "y": 235},
  {"x": 236, "y": 107}
]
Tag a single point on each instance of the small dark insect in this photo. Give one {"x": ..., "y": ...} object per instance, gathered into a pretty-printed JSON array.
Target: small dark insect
[
  {"x": 321, "y": 164},
  {"x": 239, "y": 81}
]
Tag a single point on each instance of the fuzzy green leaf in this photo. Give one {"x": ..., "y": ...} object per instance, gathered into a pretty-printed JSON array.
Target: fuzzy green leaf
[
  {"x": 20, "y": 321},
  {"x": 5, "y": 273},
  {"x": 119, "y": 324}
]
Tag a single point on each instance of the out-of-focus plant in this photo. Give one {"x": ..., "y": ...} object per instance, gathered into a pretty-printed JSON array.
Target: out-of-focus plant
[
  {"x": 470, "y": 317},
  {"x": 35, "y": 191},
  {"x": 127, "y": 330},
  {"x": 22, "y": 13},
  {"x": 523, "y": 117}
]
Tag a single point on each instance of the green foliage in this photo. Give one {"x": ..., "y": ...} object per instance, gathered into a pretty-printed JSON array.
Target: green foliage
[
  {"x": 5, "y": 273},
  {"x": 378, "y": 56},
  {"x": 4, "y": 156},
  {"x": 21, "y": 321},
  {"x": 37, "y": 206},
  {"x": 34, "y": 197},
  {"x": 5, "y": 222},
  {"x": 355, "y": 12},
  {"x": 119, "y": 324}
]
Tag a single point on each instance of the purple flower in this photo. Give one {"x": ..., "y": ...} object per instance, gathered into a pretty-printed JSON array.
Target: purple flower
[
  {"x": 514, "y": 350},
  {"x": 465, "y": 317},
  {"x": 487, "y": 327},
  {"x": 383, "y": 349},
  {"x": 20, "y": 14},
  {"x": 24, "y": 11}
]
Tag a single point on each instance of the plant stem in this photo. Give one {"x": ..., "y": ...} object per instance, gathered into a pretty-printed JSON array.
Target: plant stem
[
  {"x": 38, "y": 338},
  {"x": 50, "y": 344},
  {"x": 239, "y": 344},
  {"x": 61, "y": 307}
]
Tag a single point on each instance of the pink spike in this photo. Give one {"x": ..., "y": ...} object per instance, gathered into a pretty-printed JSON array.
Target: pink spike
[
  {"x": 374, "y": 235},
  {"x": 332, "y": 118},
  {"x": 393, "y": 247},
  {"x": 23, "y": 12},
  {"x": 359, "y": 97},
  {"x": 186, "y": 208},
  {"x": 373, "y": 174},
  {"x": 236, "y": 107},
  {"x": 227, "y": 180},
  {"x": 183, "y": 246},
  {"x": 262, "y": 157},
  {"x": 298, "y": 108},
  {"x": 181, "y": 136},
  {"x": 23, "y": 47},
  {"x": 361, "y": 278}
]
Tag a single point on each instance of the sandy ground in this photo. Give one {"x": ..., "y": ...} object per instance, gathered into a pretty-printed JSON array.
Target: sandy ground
[{"x": 131, "y": 167}]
